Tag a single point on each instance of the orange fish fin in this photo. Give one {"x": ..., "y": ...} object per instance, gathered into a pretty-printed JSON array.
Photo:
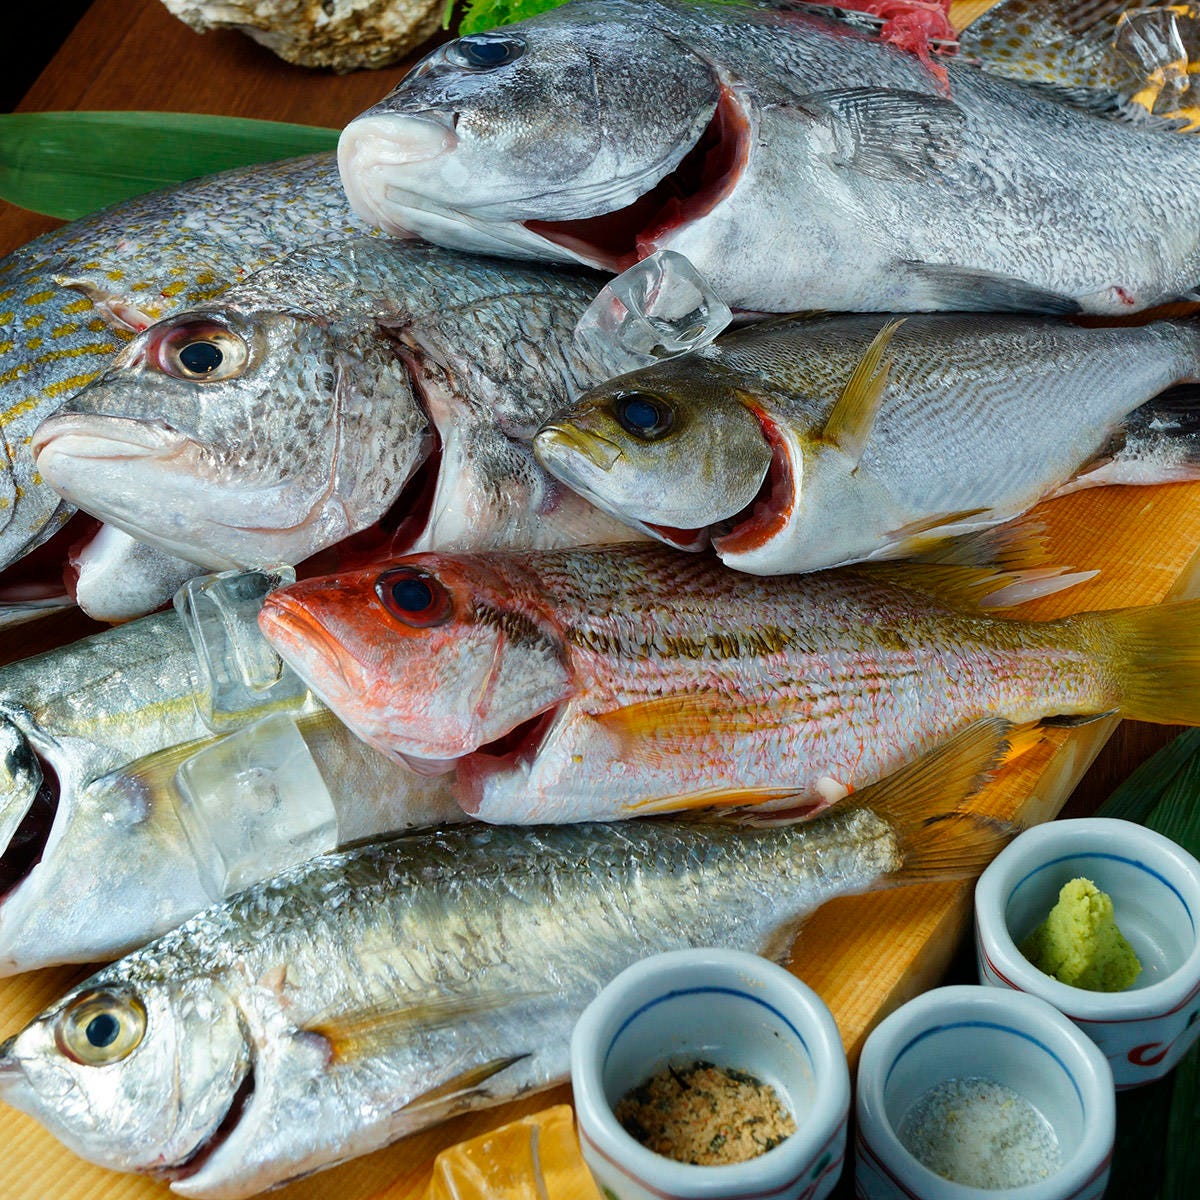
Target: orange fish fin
[
  {"x": 921, "y": 802},
  {"x": 672, "y": 719},
  {"x": 719, "y": 798}
]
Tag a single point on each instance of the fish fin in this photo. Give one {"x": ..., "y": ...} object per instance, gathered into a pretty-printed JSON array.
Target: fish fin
[
  {"x": 1016, "y": 545},
  {"x": 1076, "y": 720},
  {"x": 921, "y": 802},
  {"x": 971, "y": 289},
  {"x": 888, "y": 134},
  {"x": 465, "y": 1083},
  {"x": 157, "y": 770},
  {"x": 977, "y": 589},
  {"x": 358, "y": 1033},
  {"x": 669, "y": 719},
  {"x": 721, "y": 799},
  {"x": 1150, "y": 658},
  {"x": 849, "y": 424},
  {"x": 1021, "y": 740}
]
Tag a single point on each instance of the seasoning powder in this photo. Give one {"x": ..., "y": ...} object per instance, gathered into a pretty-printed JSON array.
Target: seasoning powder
[
  {"x": 705, "y": 1115},
  {"x": 980, "y": 1133}
]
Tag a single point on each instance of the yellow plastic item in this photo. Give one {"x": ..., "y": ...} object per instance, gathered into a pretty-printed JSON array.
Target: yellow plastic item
[{"x": 535, "y": 1158}]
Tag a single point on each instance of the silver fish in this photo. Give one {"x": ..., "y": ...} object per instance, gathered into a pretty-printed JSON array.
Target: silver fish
[
  {"x": 291, "y": 413},
  {"x": 813, "y": 443},
  {"x": 94, "y": 858},
  {"x": 798, "y": 163},
  {"x": 72, "y": 298},
  {"x": 366, "y": 995}
]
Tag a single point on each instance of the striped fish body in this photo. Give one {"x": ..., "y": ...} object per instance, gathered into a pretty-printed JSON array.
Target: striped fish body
[{"x": 588, "y": 684}]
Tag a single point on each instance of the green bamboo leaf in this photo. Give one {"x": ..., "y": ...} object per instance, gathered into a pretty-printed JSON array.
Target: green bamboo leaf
[
  {"x": 1136, "y": 797},
  {"x": 1177, "y": 814},
  {"x": 1183, "y": 1147},
  {"x": 67, "y": 164}
]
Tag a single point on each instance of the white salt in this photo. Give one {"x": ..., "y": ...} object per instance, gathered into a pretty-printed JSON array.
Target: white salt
[{"x": 978, "y": 1132}]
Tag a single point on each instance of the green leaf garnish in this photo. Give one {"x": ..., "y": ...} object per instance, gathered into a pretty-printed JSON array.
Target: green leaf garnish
[{"x": 68, "y": 164}]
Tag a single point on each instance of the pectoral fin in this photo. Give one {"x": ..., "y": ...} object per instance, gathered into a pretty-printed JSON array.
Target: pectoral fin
[
  {"x": 888, "y": 134},
  {"x": 359, "y": 1033},
  {"x": 460, "y": 1086},
  {"x": 853, "y": 416},
  {"x": 945, "y": 286}
]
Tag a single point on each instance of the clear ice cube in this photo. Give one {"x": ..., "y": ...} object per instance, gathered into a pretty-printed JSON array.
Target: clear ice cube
[
  {"x": 240, "y": 676},
  {"x": 660, "y": 307},
  {"x": 254, "y": 803}
]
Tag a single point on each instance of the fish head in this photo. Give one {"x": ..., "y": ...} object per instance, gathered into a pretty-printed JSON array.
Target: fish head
[
  {"x": 673, "y": 449},
  {"x": 136, "y": 1074},
  {"x": 429, "y": 659},
  {"x": 238, "y": 437},
  {"x": 562, "y": 137}
]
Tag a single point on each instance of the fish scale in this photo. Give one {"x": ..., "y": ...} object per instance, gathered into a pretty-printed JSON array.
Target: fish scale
[
  {"x": 71, "y": 297},
  {"x": 624, "y": 661},
  {"x": 341, "y": 996}
]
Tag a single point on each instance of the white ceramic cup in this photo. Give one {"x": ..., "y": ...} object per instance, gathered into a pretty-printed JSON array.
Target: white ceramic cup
[
  {"x": 1155, "y": 888},
  {"x": 732, "y": 1009},
  {"x": 1014, "y": 1040}
]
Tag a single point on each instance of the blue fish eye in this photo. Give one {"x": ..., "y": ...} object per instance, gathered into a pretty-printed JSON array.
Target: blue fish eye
[
  {"x": 102, "y": 1030},
  {"x": 646, "y": 417},
  {"x": 485, "y": 51},
  {"x": 414, "y": 597}
]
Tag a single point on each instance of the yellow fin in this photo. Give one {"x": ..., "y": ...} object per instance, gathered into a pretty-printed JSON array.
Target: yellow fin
[
  {"x": 672, "y": 718},
  {"x": 462, "y": 1084},
  {"x": 156, "y": 771},
  {"x": 748, "y": 797},
  {"x": 920, "y": 801},
  {"x": 1151, "y": 658},
  {"x": 849, "y": 424},
  {"x": 975, "y": 589},
  {"x": 361, "y": 1032}
]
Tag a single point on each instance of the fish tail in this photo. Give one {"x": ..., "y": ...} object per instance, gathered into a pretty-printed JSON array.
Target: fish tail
[
  {"x": 937, "y": 839},
  {"x": 1151, "y": 658}
]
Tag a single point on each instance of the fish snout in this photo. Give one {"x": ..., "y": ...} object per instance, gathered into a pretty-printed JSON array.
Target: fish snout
[
  {"x": 82, "y": 435},
  {"x": 373, "y": 149},
  {"x": 554, "y": 443}
]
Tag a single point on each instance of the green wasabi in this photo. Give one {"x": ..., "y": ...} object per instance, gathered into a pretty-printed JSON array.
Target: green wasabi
[{"x": 1079, "y": 943}]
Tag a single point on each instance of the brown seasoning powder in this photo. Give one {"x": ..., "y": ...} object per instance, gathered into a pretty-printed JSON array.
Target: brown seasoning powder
[{"x": 705, "y": 1115}]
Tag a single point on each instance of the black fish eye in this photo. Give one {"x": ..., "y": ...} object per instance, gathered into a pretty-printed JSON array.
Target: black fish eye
[
  {"x": 485, "y": 51},
  {"x": 414, "y": 597},
  {"x": 646, "y": 417},
  {"x": 102, "y": 1030},
  {"x": 201, "y": 358}
]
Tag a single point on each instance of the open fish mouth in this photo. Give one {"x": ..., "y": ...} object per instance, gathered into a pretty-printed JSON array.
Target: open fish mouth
[
  {"x": 511, "y": 752},
  {"x": 704, "y": 177}
]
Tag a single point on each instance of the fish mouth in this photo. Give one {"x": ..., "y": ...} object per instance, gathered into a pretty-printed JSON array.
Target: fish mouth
[
  {"x": 768, "y": 514},
  {"x": 558, "y": 448},
  {"x": 74, "y": 436},
  {"x": 300, "y": 637},
  {"x": 705, "y": 176},
  {"x": 200, "y": 1157},
  {"x": 512, "y": 751}
]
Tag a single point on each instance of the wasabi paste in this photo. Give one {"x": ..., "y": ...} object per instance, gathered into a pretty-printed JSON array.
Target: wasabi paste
[{"x": 1079, "y": 943}]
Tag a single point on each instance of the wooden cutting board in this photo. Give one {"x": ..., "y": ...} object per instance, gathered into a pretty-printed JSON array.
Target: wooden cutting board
[{"x": 865, "y": 955}]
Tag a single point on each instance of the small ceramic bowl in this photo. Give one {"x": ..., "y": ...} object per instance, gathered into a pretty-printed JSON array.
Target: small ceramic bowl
[
  {"x": 734, "y": 1010},
  {"x": 938, "y": 1075},
  {"x": 1155, "y": 888}
]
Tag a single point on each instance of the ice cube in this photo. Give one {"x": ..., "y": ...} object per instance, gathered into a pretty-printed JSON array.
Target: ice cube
[
  {"x": 660, "y": 307},
  {"x": 240, "y": 676},
  {"x": 254, "y": 803}
]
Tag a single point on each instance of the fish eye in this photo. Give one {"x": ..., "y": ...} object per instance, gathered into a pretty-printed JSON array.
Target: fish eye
[
  {"x": 485, "y": 51},
  {"x": 414, "y": 597},
  {"x": 101, "y": 1027},
  {"x": 198, "y": 350},
  {"x": 645, "y": 416}
]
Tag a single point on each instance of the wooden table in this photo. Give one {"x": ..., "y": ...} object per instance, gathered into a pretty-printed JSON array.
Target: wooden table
[{"x": 131, "y": 54}]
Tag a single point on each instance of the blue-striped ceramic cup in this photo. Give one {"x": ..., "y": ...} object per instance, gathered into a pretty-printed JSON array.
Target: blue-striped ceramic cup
[
  {"x": 734, "y": 1010},
  {"x": 973, "y": 1093},
  {"x": 1155, "y": 888}
]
